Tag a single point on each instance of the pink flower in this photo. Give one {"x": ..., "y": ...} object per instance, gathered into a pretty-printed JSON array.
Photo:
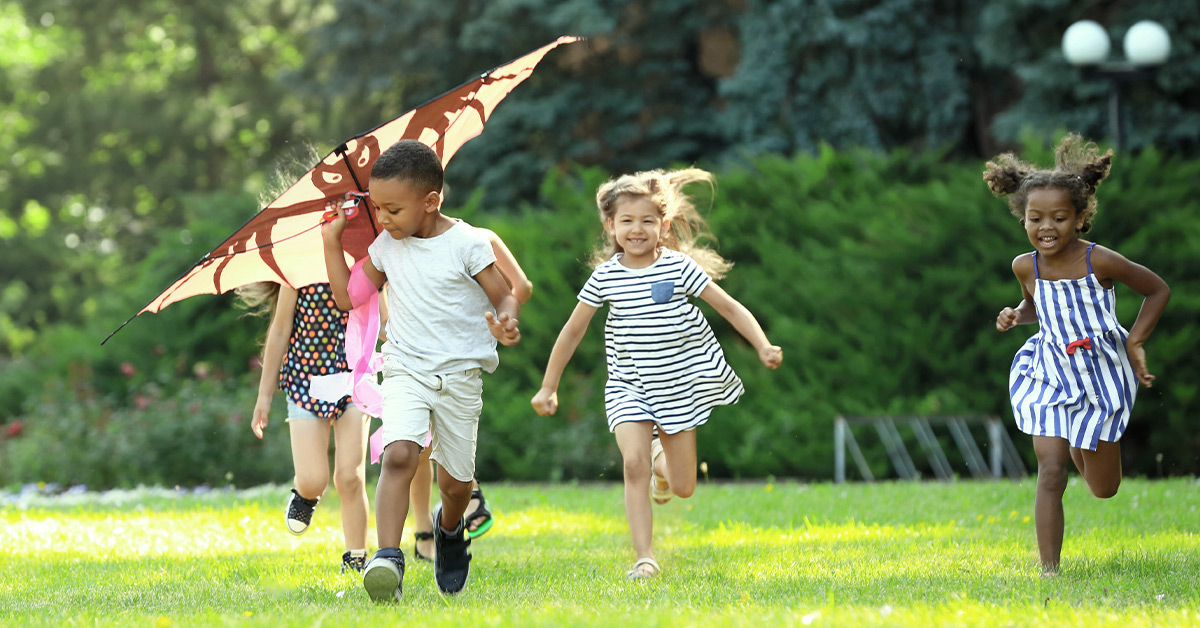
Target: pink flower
[
  {"x": 200, "y": 370},
  {"x": 141, "y": 402},
  {"x": 128, "y": 370},
  {"x": 14, "y": 429}
]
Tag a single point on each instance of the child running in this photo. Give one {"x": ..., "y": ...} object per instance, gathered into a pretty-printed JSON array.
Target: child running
[
  {"x": 1073, "y": 383},
  {"x": 666, "y": 371},
  {"x": 306, "y": 337},
  {"x": 448, "y": 305}
]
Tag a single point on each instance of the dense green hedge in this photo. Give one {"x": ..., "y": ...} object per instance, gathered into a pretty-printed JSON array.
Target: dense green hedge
[{"x": 880, "y": 276}]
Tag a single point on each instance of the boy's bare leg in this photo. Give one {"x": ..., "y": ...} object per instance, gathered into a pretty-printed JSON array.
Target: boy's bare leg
[
  {"x": 455, "y": 495},
  {"x": 349, "y": 474},
  {"x": 633, "y": 439},
  {"x": 398, "y": 466},
  {"x": 1054, "y": 458}
]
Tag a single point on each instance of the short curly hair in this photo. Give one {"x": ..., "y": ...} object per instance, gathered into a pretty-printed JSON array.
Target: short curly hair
[
  {"x": 1079, "y": 167},
  {"x": 411, "y": 161}
]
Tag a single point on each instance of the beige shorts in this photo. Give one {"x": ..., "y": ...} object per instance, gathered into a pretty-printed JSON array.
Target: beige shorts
[{"x": 449, "y": 405}]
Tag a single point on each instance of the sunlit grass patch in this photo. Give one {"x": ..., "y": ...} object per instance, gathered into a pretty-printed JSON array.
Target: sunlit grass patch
[{"x": 735, "y": 554}]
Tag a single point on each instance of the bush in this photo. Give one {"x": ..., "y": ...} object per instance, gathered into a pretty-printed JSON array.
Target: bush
[
  {"x": 880, "y": 276},
  {"x": 197, "y": 434}
]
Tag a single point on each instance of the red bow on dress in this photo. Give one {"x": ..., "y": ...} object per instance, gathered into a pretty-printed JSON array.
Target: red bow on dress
[{"x": 1085, "y": 343}]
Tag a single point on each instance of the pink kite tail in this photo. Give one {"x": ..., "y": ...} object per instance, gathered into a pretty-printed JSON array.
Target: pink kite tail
[
  {"x": 362, "y": 332},
  {"x": 360, "y": 288},
  {"x": 377, "y": 446}
]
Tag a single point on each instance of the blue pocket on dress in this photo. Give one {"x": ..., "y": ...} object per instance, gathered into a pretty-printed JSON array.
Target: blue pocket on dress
[{"x": 662, "y": 291}]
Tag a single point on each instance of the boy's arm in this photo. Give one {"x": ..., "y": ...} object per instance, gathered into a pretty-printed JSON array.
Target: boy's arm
[
  {"x": 274, "y": 348},
  {"x": 335, "y": 261},
  {"x": 545, "y": 402},
  {"x": 521, "y": 287},
  {"x": 742, "y": 320},
  {"x": 504, "y": 324}
]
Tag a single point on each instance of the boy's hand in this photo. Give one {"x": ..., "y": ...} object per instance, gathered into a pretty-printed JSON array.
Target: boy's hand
[
  {"x": 1137, "y": 359},
  {"x": 545, "y": 402},
  {"x": 503, "y": 328},
  {"x": 771, "y": 356},
  {"x": 1006, "y": 320},
  {"x": 331, "y": 230}
]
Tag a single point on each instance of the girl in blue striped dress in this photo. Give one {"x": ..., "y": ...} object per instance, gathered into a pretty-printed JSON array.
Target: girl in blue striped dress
[
  {"x": 666, "y": 371},
  {"x": 1073, "y": 383}
]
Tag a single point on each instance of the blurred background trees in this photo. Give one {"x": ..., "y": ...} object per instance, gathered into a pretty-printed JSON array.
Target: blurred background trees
[{"x": 135, "y": 134}]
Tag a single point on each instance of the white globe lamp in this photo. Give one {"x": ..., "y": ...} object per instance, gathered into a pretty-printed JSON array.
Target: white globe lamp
[
  {"x": 1086, "y": 43},
  {"x": 1147, "y": 43}
]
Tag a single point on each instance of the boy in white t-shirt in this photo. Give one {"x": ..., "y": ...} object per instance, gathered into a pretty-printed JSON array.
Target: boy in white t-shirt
[{"x": 448, "y": 306}]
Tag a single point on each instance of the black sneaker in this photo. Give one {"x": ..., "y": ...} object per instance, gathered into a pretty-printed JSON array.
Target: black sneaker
[
  {"x": 299, "y": 513},
  {"x": 384, "y": 575},
  {"x": 351, "y": 562},
  {"x": 452, "y": 560}
]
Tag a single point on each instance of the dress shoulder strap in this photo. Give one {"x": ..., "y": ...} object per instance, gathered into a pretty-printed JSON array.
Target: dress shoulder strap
[
  {"x": 1089, "y": 258},
  {"x": 1036, "y": 274}
]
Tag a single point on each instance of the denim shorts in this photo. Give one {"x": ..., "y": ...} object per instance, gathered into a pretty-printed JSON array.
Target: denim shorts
[{"x": 296, "y": 413}]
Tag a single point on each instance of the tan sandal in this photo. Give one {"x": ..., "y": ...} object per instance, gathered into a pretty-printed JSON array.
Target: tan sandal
[
  {"x": 644, "y": 568},
  {"x": 659, "y": 495}
]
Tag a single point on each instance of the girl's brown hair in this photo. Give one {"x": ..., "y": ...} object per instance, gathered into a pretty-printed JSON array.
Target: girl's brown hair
[
  {"x": 665, "y": 190},
  {"x": 1079, "y": 167},
  {"x": 259, "y": 299}
]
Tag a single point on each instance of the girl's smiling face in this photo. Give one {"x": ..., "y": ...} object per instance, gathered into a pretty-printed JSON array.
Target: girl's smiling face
[
  {"x": 1051, "y": 221},
  {"x": 637, "y": 227}
]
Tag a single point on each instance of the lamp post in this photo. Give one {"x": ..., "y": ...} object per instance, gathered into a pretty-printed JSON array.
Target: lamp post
[{"x": 1147, "y": 45}]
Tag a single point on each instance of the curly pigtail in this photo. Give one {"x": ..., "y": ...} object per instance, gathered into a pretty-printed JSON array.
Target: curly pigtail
[{"x": 1079, "y": 168}]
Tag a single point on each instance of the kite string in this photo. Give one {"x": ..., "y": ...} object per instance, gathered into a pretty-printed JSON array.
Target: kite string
[{"x": 261, "y": 246}]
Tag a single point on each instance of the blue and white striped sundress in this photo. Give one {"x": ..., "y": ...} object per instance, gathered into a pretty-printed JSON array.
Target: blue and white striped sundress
[
  {"x": 664, "y": 362},
  {"x": 1059, "y": 386}
]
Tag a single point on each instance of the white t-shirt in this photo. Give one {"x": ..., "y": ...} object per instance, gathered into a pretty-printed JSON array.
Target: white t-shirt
[{"x": 435, "y": 305}]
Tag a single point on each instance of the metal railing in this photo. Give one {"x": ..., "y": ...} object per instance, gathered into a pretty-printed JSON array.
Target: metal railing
[{"x": 1003, "y": 454}]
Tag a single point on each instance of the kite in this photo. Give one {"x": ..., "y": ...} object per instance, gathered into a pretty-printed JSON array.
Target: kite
[{"x": 282, "y": 243}]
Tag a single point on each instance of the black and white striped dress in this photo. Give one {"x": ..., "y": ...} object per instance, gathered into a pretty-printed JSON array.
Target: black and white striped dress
[{"x": 664, "y": 362}]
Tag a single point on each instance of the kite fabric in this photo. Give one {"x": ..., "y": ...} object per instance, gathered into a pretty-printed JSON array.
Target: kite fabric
[{"x": 282, "y": 243}]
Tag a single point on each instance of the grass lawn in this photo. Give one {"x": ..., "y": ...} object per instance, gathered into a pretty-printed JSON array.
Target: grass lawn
[{"x": 762, "y": 554}]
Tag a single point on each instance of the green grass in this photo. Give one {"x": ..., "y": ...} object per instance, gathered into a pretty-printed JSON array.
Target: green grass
[{"x": 782, "y": 554}]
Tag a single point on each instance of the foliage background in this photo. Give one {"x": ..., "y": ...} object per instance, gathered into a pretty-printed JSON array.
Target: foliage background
[{"x": 848, "y": 138}]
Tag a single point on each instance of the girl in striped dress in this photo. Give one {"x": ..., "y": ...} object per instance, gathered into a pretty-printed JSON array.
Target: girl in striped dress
[
  {"x": 666, "y": 371},
  {"x": 1073, "y": 383}
]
